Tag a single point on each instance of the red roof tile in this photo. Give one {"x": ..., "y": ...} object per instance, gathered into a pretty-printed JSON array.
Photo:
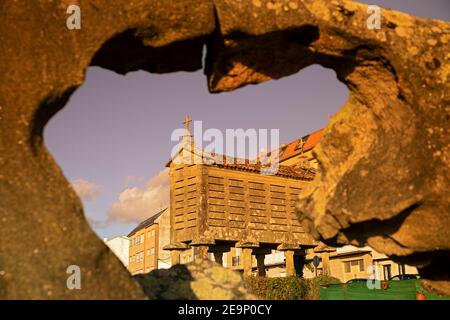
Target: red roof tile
[
  {"x": 298, "y": 146},
  {"x": 282, "y": 171}
]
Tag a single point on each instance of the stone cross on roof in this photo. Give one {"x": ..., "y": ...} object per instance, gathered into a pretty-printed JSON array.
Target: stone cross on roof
[{"x": 187, "y": 122}]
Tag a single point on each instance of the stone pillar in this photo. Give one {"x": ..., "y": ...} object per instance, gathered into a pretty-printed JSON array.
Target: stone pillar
[
  {"x": 247, "y": 250},
  {"x": 203, "y": 252},
  {"x": 326, "y": 263},
  {"x": 324, "y": 252},
  {"x": 203, "y": 244},
  {"x": 260, "y": 263},
  {"x": 290, "y": 249},
  {"x": 175, "y": 257},
  {"x": 290, "y": 266},
  {"x": 247, "y": 261},
  {"x": 175, "y": 251}
]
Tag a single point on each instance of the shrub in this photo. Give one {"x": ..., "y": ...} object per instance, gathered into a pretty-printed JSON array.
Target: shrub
[
  {"x": 256, "y": 285},
  {"x": 314, "y": 285},
  {"x": 289, "y": 288}
]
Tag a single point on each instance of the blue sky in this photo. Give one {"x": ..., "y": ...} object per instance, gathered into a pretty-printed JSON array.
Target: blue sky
[{"x": 113, "y": 136}]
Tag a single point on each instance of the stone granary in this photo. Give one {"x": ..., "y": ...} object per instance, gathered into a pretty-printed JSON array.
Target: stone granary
[
  {"x": 217, "y": 203},
  {"x": 384, "y": 157}
]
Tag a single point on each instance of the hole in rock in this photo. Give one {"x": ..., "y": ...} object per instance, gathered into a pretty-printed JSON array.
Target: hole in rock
[{"x": 113, "y": 137}]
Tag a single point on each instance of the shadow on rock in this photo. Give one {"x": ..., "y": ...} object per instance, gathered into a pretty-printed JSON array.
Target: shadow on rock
[{"x": 199, "y": 280}]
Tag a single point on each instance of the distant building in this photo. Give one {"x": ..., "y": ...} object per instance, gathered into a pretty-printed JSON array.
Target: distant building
[
  {"x": 274, "y": 262},
  {"x": 349, "y": 262},
  {"x": 120, "y": 246},
  {"x": 345, "y": 263},
  {"x": 146, "y": 243},
  {"x": 299, "y": 151}
]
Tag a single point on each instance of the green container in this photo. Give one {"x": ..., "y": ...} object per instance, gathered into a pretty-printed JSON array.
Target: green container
[{"x": 396, "y": 290}]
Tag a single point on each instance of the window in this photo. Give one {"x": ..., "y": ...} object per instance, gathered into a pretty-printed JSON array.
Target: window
[
  {"x": 152, "y": 251},
  {"x": 354, "y": 263},
  {"x": 142, "y": 238},
  {"x": 148, "y": 252},
  {"x": 235, "y": 261},
  {"x": 347, "y": 266},
  {"x": 387, "y": 271}
]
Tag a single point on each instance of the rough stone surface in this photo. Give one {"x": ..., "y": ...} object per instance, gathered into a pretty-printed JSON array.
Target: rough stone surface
[
  {"x": 42, "y": 226},
  {"x": 384, "y": 157},
  {"x": 199, "y": 280}
]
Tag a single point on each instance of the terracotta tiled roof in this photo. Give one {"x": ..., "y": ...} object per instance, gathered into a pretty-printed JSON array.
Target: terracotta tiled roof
[
  {"x": 292, "y": 149},
  {"x": 298, "y": 146},
  {"x": 282, "y": 171}
]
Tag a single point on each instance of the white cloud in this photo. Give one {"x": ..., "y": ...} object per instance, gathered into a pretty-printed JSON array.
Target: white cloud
[
  {"x": 86, "y": 190},
  {"x": 137, "y": 204},
  {"x": 96, "y": 224},
  {"x": 130, "y": 180}
]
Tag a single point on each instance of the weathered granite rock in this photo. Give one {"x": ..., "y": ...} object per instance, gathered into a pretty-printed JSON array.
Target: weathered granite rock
[
  {"x": 384, "y": 157},
  {"x": 42, "y": 226},
  {"x": 199, "y": 280}
]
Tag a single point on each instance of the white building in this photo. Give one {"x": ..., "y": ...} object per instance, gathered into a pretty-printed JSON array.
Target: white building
[{"x": 120, "y": 246}]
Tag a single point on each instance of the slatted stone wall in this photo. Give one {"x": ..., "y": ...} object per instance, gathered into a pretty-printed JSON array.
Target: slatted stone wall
[
  {"x": 184, "y": 201},
  {"x": 245, "y": 204}
]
